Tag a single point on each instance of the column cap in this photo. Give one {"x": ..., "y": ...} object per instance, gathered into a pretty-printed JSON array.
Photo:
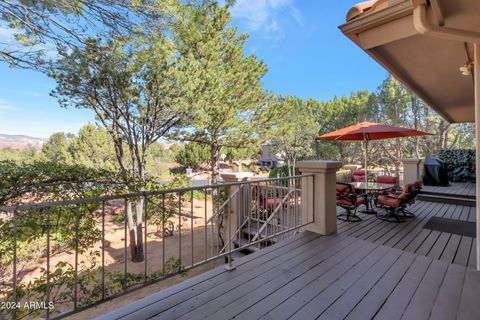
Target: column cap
[
  {"x": 236, "y": 176},
  {"x": 319, "y": 165},
  {"x": 411, "y": 160}
]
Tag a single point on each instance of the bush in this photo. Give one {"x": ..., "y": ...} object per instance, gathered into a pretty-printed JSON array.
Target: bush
[
  {"x": 460, "y": 164},
  {"x": 281, "y": 172},
  {"x": 193, "y": 155},
  {"x": 344, "y": 176}
]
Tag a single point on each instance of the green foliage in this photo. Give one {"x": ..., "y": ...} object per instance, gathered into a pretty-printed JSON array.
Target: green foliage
[
  {"x": 227, "y": 107},
  {"x": 282, "y": 171},
  {"x": 192, "y": 155},
  {"x": 245, "y": 152},
  {"x": 339, "y": 113},
  {"x": 41, "y": 26},
  {"x": 344, "y": 176},
  {"x": 48, "y": 181},
  {"x": 62, "y": 281},
  {"x": 159, "y": 161},
  {"x": 57, "y": 150},
  {"x": 294, "y": 139},
  {"x": 19, "y": 155},
  {"x": 93, "y": 148},
  {"x": 460, "y": 164}
]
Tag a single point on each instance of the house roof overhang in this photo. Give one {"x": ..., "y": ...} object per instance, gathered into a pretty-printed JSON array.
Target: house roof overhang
[{"x": 423, "y": 44}]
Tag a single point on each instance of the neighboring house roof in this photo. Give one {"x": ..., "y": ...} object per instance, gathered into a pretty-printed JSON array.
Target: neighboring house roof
[{"x": 423, "y": 44}]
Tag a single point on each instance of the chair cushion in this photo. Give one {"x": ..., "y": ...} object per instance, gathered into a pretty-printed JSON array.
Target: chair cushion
[
  {"x": 358, "y": 172},
  {"x": 272, "y": 202},
  {"x": 389, "y": 201},
  {"x": 344, "y": 202},
  {"x": 387, "y": 179}
]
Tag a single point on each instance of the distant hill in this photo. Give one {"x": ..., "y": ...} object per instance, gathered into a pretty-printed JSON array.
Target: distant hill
[{"x": 20, "y": 141}]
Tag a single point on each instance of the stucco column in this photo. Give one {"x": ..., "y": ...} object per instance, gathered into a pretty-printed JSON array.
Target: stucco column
[
  {"x": 411, "y": 170},
  {"x": 235, "y": 211},
  {"x": 319, "y": 195},
  {"x": 477, "y": 136}
]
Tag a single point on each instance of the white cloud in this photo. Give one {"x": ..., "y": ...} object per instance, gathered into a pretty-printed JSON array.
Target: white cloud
[{"x": 266, "y": 15}]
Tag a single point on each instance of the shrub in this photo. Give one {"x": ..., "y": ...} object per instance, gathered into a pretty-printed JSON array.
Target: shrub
[
  {"x": 193, "y": 155},
  {"x": 460, "y": 164},
  {"x": 281, "y": 172},
  {"x": 344, "y": 176}
]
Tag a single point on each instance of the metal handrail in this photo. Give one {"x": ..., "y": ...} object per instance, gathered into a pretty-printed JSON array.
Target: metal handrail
[
  {"x": 179, "y": 205},
  {"x": 25, "y": 206}
]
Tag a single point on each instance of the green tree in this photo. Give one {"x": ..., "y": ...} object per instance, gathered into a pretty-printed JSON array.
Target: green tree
[
  {"x": 136, "y": 87},
  {"x": 393, "y": 105},
  {"x": 93, "y": 148},
  {"x": 228, "y": 103},
  {"x": 39, "y": 27},
  {"x": 57, "y": 147},
  {"x": 19, "y": 155},
  {"x": 193, "y": 155},
  {"x": 339, "y": 113},
  {"x": 294, "y": 139}
]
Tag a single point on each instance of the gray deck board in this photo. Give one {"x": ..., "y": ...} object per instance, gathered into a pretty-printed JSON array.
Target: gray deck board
[
  {"x": 373, "y": 300},
  {"x": 412, "y": 237},
  {"x": 349, "y": 267},
  {"x": 422, "y": 301},
  {"x": 448, "y": 298},
  {"x": 368, "y": 270},
  {"x": 469, "y": 304},
  {"x": 455, "y": 188},
  {"x": 261, "y": 307},
  {"x": 324, "y": 299},
  {"x": 397, "y": 302},
  {"x": 463, "y": 252},
  {"x": 227, "y": 294},
  {"x": 343, "y": 305},
  {"x": 145, "y": 307}
]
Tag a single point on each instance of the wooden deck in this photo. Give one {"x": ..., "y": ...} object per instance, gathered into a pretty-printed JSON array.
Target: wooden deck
[
  {"x": 368, "y": 270},
  {"x": 411, "y": 237},
  {"x": 314, "y": 277},
  {"x": 454, "y": 189}
]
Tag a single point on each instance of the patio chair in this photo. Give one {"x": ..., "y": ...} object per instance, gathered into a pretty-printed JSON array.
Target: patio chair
[
  {"x": 386, "y": 179},
  {"x": 416, "y": 189},
  {"x": 358, "y": 175},
  {"x": 397, "y": 203},
  {"x": 268, "y": 200},
  {"x": 349, "y": 201}
]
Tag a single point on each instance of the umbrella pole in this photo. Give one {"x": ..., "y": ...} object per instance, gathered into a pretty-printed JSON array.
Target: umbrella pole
[{"x": 366, "y": 155}]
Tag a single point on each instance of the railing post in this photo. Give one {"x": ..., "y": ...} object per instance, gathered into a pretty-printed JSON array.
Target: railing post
[
  {"x": 411, "y": 170},
  {"x": 237, "y": 206},
  {"x": 319, "y": 195}
]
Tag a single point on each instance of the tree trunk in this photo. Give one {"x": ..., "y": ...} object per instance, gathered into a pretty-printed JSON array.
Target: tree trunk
[
  {"x": 443, "y": 130},
  {"x": 214, "y": 156},
  {"x": 138, "y": 257}
]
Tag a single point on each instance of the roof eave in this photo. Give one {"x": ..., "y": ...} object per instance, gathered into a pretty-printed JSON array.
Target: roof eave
[{"x": 374, "y": 19}]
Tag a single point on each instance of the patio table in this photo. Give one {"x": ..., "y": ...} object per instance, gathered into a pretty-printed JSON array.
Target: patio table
[{"x": 368, "y": 189}]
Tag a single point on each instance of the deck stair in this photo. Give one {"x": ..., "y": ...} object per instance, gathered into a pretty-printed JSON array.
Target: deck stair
[
  {"x": 248, "y": 232},
  {"x": 458, "y": 199}
]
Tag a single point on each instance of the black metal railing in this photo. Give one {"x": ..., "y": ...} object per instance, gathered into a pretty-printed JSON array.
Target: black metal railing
[{"x": 62, "y": 257}]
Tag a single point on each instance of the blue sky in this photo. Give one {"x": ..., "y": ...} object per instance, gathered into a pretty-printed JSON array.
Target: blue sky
[{"x": 299, "y": 40}]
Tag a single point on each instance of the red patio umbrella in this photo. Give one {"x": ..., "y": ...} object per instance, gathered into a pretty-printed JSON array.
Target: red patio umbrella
[{"x": 367, "y": 131}]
